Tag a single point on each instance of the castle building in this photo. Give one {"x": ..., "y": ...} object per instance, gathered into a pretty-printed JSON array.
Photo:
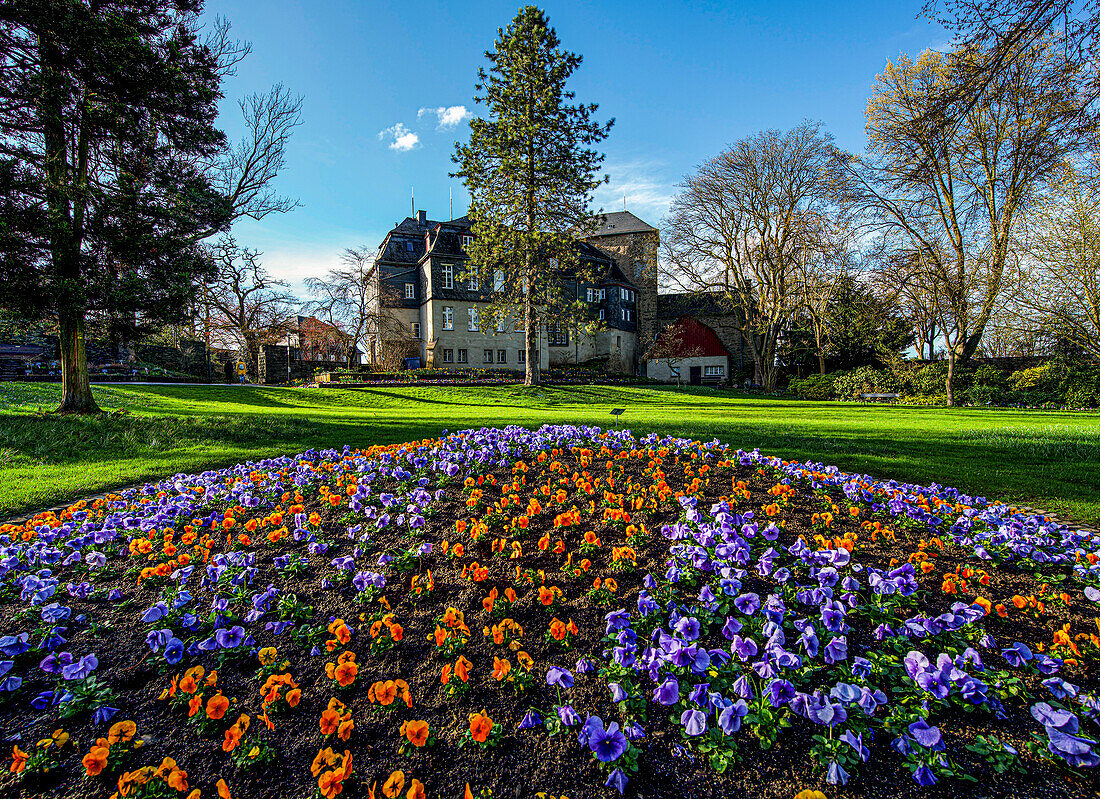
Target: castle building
[{"x": 427, "y": 310}]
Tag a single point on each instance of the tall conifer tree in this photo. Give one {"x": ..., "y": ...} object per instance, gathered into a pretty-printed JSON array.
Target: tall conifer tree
[
  {"x": 111, "y": 167},
  {"x": 530, "y": 168}
]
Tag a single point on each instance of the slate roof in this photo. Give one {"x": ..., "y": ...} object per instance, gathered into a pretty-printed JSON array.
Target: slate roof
[
  {"x": 619, "y": 222},
  {"x": 673, "y": 306}
]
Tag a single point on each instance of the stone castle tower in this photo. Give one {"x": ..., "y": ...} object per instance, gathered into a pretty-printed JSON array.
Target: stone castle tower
[{"x": 633, "y": 245}]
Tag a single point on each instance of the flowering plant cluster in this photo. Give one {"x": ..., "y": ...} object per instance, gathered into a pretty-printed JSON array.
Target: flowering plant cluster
[{"x": 712, "y": 603}]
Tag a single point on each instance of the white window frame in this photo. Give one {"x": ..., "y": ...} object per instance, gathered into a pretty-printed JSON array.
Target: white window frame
[
  {"x": 602, "y": 314},
  {"x": 473, "y": 323},
  {"x": 487, "y": 357},
  {"x": 448, "y": 317},
  {"x": 475, "y": 285},
  {"x": 502, "y": 356},
  {"x": 448, "y": 276},
  {"x": 463, "y": 356},
  {"x": 467, "y": 239},
  {"x": 498, "y": 280},
  {"x": 714, "y": 371},
  {"x": 410, "y": 291},
  {"x": 521, "y": 357},
  {"x": 416, "y": 330},
  {"x": 591, "y": 294},
  {"x": 448, "y": 356}
]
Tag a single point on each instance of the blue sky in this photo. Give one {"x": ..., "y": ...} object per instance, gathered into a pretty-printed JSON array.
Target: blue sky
[{"x": 386, "y": 86}]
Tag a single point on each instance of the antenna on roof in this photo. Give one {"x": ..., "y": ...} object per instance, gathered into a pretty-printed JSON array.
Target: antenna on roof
[
  {"x": 451, "y": 200},
  {"x": 624, "y": 199},
  {"x": 412, "y": 201}
]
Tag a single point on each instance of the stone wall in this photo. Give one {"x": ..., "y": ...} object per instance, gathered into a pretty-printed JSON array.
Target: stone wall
[{"x": 272, "y": 366}]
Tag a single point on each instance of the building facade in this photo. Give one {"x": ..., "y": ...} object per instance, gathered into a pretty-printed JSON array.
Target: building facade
[{"x": 427, "y": 309}]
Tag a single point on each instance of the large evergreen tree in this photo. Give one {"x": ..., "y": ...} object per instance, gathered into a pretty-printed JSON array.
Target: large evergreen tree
[
  {"x": 106, "y": 140},
  {"x": 530, "y": 170}
]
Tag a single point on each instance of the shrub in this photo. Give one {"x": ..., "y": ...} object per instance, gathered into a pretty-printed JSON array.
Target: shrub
[
  {"x": 984, "y": 395},
  {"x": 931, "y": 379},
  {"x": 1041, "y": 378},
  {"x": 990, "y": 376},
  {"x": 814, "y": 387},
  {"x": 865, "y": 380}
]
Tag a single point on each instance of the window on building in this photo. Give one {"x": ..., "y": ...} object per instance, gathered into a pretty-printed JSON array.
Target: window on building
[
  {"x": 521, "y": 356},
  {"x": 714, "y": 371},
  {"x": 473, "y": 323},
  {"x": 463, "y": 356},
  {"x": 474, "y": 283},
  {"x": 448, "y": 276},
  {"x": 602, "y": 314},
  {"x": 498, "y": 280},
  {"x": 408, "y": 246},
  {"x": 487, "y": 356},
  {"x": 591, "y": 292},
  {"x": 674, "y": 370},
  {"x": 500, "y": 325},
  {"x": 448, "y": 317},
  {"x": 502, "y": 356},
  {"x": 622, "y": 294},
  {"x": 627, "y": 314},
  {"x": 410, "y": 291},
  {"x": 416, "y": 329},
  {"x": 603, "y": 294},
  {"x": 448, "y": 356},
  {"x": 467, "y": 240},
  {"x": 557, "y": 336}
]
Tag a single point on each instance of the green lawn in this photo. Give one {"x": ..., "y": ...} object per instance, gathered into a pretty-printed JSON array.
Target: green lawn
[{"x": 1046, "y": 459}]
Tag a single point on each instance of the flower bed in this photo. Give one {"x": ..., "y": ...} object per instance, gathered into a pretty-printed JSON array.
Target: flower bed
[{"x": 561, "y": 612}]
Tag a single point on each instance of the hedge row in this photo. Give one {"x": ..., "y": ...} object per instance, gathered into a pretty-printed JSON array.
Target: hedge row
[{"x": 1058, "y": 383}]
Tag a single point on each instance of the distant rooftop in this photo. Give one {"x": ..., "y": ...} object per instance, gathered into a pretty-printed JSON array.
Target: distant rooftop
[{"x": 617, "y": 222}]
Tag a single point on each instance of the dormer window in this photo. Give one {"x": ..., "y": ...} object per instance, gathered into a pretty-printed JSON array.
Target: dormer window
[{"x": 467, "y": 240}]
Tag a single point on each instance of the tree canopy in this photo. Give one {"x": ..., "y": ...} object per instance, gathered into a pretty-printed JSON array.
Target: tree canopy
[{"x": 530, "y": 167}]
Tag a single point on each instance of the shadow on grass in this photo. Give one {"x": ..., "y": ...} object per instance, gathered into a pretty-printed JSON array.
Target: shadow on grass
[{"x": 1054, "y": 465}]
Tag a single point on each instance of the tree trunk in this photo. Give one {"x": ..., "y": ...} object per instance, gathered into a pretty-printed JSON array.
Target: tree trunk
[
  {"x": 76, "y": 390},
  {"x": 66, "y": 222},
  {"x": 530, "y": 343},
  {"x": 950, "y": 382},
  {"x": 820, "y": 364}
]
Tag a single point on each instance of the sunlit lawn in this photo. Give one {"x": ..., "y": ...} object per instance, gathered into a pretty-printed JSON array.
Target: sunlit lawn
[{"x": 1045, "y": 459}]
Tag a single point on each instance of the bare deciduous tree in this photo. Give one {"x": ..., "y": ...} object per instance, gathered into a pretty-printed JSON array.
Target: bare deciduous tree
[
  {"x": 1063, "y": 271},
  {"x": 747, "y": 220},
  {"x": 245, "y": 305},
  {"x": 902, "y": 274},
  {"x": 349, "y": 297},
  {"x": 1006, "y": 30},
  {"x": 954, "y": 195}
]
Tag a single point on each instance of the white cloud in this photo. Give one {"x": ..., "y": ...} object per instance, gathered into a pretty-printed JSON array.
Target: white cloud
[
  {"x": 649, "y": 191},
  {"x": 448, "y": 116},
  {"x": 403, "y": 139}
]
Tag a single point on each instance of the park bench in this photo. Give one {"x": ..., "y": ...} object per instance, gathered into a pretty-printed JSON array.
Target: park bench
[{"x": 879, "y": 397}]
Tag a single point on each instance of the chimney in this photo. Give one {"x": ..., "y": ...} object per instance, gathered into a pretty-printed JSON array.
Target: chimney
[{"x": 422, "y": 218}]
